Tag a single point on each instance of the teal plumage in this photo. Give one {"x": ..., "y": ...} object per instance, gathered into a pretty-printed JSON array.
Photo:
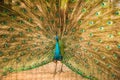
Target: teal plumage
[{"x": 57, "y": 54}]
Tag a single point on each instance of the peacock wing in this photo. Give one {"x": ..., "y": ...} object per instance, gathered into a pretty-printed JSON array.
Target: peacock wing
[
  {"x": 92, "y": 39},
  {"x": 26, "y": 34}
]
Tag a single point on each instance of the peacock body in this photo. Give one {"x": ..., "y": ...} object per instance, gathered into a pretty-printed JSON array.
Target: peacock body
[{"x": 87, "y": 39}]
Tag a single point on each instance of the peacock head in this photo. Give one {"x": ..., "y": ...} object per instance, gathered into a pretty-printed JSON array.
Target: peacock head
[{"x": 56, "y": 38}]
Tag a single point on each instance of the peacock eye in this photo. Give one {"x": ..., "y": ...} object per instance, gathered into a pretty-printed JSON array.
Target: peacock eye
[
  {"x": 82, "y": 30},
  {"x": 10, "y": 69},
  {"x": 5, "y": 11},
  {"x": 11, "y": 53},
  {"x": 110, "y": 35},
  {"x": 79, "y": 22},
  {"x": 113, "y": 75},
  {"x": 73, "y": 29},
  {"x": 41, "y": 18},
  {"x": 103, "y": 57},
  {"x": 18, "y": 47},
  {"x": 3, "y": 22},
  {"x": 21, "y": 34},
  {"x": 23, "y": 41},
  {"x": 88, "y": 43},
  {"x": 21, "y": 22},
  {"x": 100, "y": 40},
  {"x": 29, "y": 30},
  {"x": 91, "y": 23},
  {"x": 103, "y": 4},
  {"x": 115, "y": 55},
  {"x": 5, "y": 59},
  {"x": 84, "y": 49},
  {"x": 30, "y": 38},
  {"x": 11, "y": 29},
  {"x": 77, "y": 46},
  {"x": 73, "y": 37},
  {"x": 84, "y": 10},
  {"x": 90, "y": 55},
  {"x": 13, "y": 16},
  {"x": 35, "y": 8},
  {"x": 96, "y": 61},
  {"x": 4, "y": 36},
  {"x": 48, "y": 36},
  {"x": 22, "y": 53},
  {"x": 108, "y": 47},
  {"x": 30, "y": 20},
  {"x": 38, "y": 36},
  {"x": 57, "y": 4},
  {"x": 37, "y": 28},
  {"x": 28, "y": 49},
  {"x": 109, "y": 65},
  {"x": 52, "y": 21},
  {"x": 18, "y": 59},
  {"x": 6, "y": 45},
  {"x": 117, "y": 13},
  {"x": 97, "y": 13},
  {"x": 101, "y": 28},
  {"x": 48, "y": 9},
  {"x": 57, "y": 15},
  {"x": 24, "y": 10},
  {"x": 1, "y": 53},
  {"x": 118, "y": 46},
  {"x": 34, "y": 45},
  {"x": 96, "y": 49},
  {"x": 109, "y": 22},
  {"x": 99, "y": 70},
  {"x": 65, "y": 32},
  {"x": 91, "y": 34},
  {"x": 47, "y": 28},
  {"x": 67, "y": 21}
]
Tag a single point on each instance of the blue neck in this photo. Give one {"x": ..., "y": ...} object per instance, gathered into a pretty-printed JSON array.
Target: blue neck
[{"x": 57, "y": 55}]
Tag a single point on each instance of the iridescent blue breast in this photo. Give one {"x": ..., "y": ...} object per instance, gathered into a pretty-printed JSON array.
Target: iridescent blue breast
[{"x": 57, "y": 53}]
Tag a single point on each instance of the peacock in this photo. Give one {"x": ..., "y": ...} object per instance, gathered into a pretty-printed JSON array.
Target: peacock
[{"x": 82, "y": 34}]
